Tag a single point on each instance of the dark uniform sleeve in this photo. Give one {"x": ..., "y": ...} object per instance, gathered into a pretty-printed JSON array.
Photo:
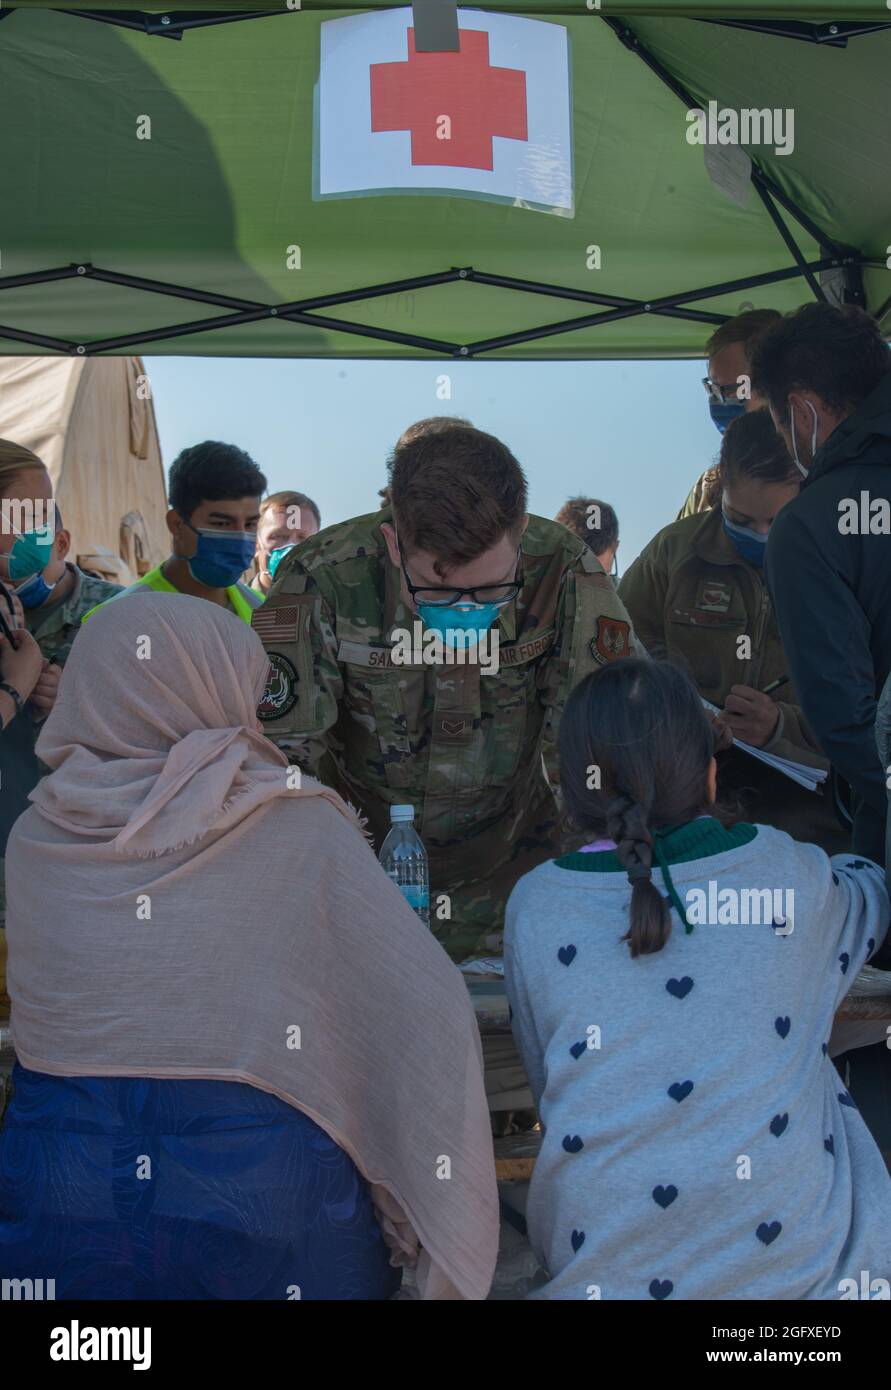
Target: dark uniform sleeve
[
  {"x": 643, "y": 589},
  {"x": 593, "y": 628},
  {"x": 300, "y": 703},
  {"x": 826, "y": 636}
]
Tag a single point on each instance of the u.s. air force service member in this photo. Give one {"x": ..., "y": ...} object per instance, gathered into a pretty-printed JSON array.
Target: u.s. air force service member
[{"x": 424, "y": 653}]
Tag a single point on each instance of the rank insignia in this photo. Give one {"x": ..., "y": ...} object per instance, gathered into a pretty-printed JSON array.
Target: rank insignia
[
  {"x": 611, "y": 639},
  {"x": 280, "y": 694},
  {"x": 713, "y": 597}
]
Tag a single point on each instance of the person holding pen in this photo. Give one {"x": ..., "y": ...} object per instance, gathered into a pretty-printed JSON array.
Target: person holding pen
[{"x": 697, "y": 595}]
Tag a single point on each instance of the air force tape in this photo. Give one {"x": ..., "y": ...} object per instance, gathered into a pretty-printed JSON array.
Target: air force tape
[{"x": 280, "y": 694}]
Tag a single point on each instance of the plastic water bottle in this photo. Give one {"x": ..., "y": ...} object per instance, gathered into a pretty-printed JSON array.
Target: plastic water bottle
[{"x": 404, "y": 860}]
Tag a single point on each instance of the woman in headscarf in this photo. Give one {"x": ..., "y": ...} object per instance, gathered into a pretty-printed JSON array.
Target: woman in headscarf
[{"x": 244, "y": 1070}]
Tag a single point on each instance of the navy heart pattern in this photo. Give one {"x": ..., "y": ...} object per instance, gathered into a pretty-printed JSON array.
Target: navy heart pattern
[
  {"x": 679, "y": 1090},
  {"x": 846, "y": 1099},
  {"x": 566, "y": 955},
  {"x": 829, "y": 1145},
  {"x": 578, "y": 1048},
  {"x": 844, "y": 961},
  {"x": 767, "y": 1233},
  {"x": 572, "y": 1143},
  {"x": 660, "y": 1288},
  {"x": 782, "y": 1025},
  {"x": 778, "y": 1124},
  {"x": 578, "y": 1240},
  {"x": 679, "y": 988},
  {"x": 664, "y": 1196}
]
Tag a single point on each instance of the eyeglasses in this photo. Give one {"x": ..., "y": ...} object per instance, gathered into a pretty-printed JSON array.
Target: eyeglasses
[
  {"x": 499, "y": 594},
  {"x": 721, "y": 394}
]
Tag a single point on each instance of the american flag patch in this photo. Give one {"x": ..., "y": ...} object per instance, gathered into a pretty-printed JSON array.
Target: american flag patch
[{"x": 275, "y": 624}]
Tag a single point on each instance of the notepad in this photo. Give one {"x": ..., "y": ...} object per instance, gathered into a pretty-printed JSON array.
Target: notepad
[{"x": 809, "y": 777}]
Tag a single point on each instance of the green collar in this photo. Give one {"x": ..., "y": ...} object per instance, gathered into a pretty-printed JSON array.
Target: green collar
[{"x": 698, "y": 839}]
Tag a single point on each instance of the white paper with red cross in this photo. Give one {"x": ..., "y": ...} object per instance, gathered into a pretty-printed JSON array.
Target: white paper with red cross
[{"x": 491, "y": 121}]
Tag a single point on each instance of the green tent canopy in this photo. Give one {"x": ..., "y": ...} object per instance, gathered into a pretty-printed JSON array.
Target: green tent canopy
[{"x": 206, "y": 238}]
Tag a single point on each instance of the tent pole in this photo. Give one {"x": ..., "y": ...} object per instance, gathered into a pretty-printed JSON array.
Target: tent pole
[
  {"x": 828, "y": 35},
  {"x": 630, "y": 40},
  {"x": 790, "y": 242}
]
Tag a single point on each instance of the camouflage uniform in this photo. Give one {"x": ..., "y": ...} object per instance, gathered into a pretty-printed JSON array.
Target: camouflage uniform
[
  {"x": 55, "y": 628},
  {"x": 468, "y": 750}
]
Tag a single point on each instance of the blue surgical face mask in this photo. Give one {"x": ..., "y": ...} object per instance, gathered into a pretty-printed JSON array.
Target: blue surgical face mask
[
  {"x": 34, "y": 591},
  {"x": 276, "y": 557},
  {"x": 463, "y": 626},
  {"x": 750, "y": 545},
  {"x": 31, "y": 552},
  {"x": 724, "y": 413},
  {"x": 222, "y": 556}
]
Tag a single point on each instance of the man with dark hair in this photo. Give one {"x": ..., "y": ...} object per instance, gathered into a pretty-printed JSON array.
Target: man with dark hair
[
  {"x": 379, "y": 633},
  {"x": 215, "y": 492},
  {"x": 729, "y": 389},
  {"x": 826, "y": 376},
  {"x": 596, "y": 524},
  {"x": 433, "y": 424},
  {"x": 286, "y": 519}
]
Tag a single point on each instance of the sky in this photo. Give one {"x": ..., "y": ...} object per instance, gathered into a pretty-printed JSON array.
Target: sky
[{"x": 635, "y": 434}]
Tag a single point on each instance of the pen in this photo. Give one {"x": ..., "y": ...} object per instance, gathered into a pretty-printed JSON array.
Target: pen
[{"x": 774, "y": 685}]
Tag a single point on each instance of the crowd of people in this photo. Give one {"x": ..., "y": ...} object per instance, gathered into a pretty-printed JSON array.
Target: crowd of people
[{"x": 245, "y": 1069}]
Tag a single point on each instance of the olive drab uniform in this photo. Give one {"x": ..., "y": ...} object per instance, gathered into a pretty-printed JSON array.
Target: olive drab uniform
[
  {"x": 474, "y": 753},
  {"x": 692, "y": 598}
]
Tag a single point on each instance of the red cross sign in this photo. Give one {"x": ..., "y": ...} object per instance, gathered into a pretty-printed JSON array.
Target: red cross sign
[{"x": 453, "y": 103}]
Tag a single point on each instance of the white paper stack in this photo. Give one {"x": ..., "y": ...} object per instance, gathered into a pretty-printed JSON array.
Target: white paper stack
[{"x": 802, "y": 773}]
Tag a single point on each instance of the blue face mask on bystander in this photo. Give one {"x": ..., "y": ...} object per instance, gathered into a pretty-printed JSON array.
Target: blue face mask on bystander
[
  {"x": 750, "y": 544},
  {"x": 723, "y": 413}
]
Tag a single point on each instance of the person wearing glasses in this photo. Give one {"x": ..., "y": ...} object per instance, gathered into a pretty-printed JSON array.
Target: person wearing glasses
[
  {"x": 455, "y": 554},
  {"x": 595, "y": 523},
  {"x": 728, "y": 387}
]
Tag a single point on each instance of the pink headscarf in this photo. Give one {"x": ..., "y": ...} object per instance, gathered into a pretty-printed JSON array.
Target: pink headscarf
[{"x": 266, "y": 912}]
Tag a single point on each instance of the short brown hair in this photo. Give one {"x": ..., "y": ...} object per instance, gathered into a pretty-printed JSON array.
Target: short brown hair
[
  {"x": 290, "y": 499},
  {"x": 15, "y": 459},
  {"x": 433, "y": 424},
  {"x": 455, "y": 494},
  {"x": 576, "y": 515},
  {"x": 742, "y": 328}
]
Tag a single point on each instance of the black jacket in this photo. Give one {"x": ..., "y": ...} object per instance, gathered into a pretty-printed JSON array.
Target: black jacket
[
  {"x": 832, "y": 597},
  {"x": 19, "y": 772}
]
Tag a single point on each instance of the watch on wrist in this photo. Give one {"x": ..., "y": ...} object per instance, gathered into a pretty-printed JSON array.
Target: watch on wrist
[{"x": 14, "y": 695}]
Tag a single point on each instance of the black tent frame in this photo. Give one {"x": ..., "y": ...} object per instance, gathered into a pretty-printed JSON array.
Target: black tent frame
[{"x": 835, "y": 256}]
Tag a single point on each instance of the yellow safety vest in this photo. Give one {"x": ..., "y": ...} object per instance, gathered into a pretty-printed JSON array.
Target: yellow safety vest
[{"x": 242, "y": 599}]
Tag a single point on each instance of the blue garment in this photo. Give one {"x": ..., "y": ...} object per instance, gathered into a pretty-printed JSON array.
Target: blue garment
[{"x": 241, "y": 1195}]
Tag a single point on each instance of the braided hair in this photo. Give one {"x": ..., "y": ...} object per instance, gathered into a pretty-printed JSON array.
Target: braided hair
[
  {"x": 642, "y": 726},
  {"x": 626, "y": 823}
]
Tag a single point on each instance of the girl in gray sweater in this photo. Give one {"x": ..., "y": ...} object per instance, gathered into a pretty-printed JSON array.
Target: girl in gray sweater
[{"x": 673, "y": 985}]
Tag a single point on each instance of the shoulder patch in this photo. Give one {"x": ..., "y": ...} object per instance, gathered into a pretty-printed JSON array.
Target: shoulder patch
[
  {"x": 280, "y": 694},
  {"x": 611, "y": 640}
]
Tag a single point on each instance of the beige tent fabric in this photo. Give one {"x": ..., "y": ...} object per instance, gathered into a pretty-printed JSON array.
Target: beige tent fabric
[{"x": 88, "y": 420}]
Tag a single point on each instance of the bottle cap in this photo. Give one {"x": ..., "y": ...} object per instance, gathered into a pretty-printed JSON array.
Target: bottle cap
[{"x": 400, "y": 813}]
